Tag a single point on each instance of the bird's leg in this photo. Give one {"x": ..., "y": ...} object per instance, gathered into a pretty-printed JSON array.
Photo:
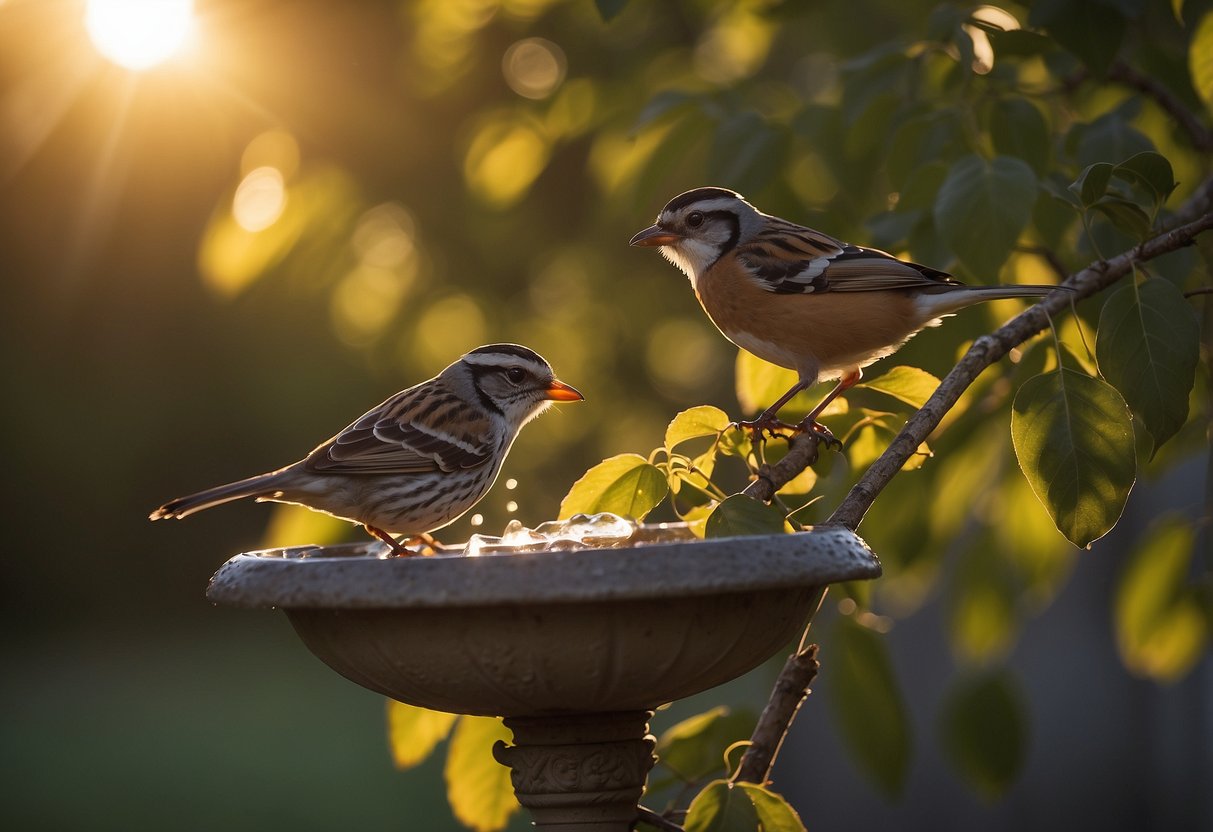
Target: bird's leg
[
  {"x": 767, "y": 421},
  {"x": 396, "y": 549},
  {"x": 810, "y": 423}
]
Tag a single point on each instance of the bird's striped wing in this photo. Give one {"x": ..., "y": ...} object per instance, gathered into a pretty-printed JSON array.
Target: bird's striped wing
[
  {"x": 421, "y": 430},
  {"x": 792, "y": 259}
]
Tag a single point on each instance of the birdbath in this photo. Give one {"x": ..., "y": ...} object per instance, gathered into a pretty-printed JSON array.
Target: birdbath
[{"x": 574, "y": 648}]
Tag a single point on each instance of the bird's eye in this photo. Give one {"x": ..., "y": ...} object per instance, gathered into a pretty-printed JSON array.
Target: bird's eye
[
  {"x": 695, "y": 219},
  {"x": 515, "y": 374}
]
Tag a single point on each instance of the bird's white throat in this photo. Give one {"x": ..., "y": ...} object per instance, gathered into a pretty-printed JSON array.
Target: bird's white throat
[{"x": 691, "y": 256}]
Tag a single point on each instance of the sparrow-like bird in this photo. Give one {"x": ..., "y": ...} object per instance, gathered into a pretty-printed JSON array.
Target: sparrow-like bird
[
  {"x": 418, "y": 461},
  {"x": 802, "y": 299}
]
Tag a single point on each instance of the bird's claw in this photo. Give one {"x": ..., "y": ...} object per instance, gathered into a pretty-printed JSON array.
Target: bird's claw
[
  {"x": 767, "y": 424},
  {"x": 821, "y": 432}
]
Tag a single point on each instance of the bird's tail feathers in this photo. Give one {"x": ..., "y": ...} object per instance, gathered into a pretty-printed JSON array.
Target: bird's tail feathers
[
  {"x": 945, "y": 303},
  {"x": 258, "y": 486}
]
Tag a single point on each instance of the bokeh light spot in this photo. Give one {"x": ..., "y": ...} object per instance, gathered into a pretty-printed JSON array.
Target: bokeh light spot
[
  {"x": 446, "y": 330},
  {"x": 138, "y": 34},
  {"x": 504, "y": 160},
  {"x": 534, "y": 67},
  {"x": 260, "y": 199},
  {"x": 384, "y": 236}
]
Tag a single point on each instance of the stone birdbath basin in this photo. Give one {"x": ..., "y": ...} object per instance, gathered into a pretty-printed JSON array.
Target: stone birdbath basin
[{"x": 574, "y": 648}]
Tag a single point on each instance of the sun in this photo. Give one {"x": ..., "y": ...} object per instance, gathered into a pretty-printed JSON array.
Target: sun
[{"x": 138, "y": 34}]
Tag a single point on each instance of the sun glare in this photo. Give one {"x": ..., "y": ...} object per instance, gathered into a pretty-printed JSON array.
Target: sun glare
[{"x": 138, "y": 34}]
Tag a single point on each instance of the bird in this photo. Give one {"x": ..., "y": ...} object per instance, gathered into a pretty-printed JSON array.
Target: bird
[
  {"x": 802, "y": 299},
  {"x": 419, "y": 460}
]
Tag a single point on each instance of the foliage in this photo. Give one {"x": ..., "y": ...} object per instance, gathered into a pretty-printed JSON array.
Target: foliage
[
  {"x": 994, "y": 144},
  {"x": 457, "y": 198}
]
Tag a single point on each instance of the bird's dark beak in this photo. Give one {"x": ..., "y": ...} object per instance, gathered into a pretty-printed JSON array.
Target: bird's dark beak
[
  {"x": 558, "y": 391},
  {"x": 655, "y": 235}
]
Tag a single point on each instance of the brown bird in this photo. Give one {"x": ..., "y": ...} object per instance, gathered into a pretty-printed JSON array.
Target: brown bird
[
  {"x": 800, "y": 298},
  {"x": 417, "y": 461}
]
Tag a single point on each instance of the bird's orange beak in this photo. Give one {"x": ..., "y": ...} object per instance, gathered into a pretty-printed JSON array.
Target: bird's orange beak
[
  {"x": 654, "y": 235},
  {"x": 558, "y": 391}
]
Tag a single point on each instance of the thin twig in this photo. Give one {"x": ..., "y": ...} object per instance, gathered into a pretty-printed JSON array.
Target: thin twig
[
  {"x": 1204, "y": 290},
  {"x": 989, "y": 348},
  {"x": 791, "y": 689},
  {"x": 660, "y": 821}
]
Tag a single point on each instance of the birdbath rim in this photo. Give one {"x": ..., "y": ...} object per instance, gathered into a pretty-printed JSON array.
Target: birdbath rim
[{"x": 355, "y": 576}]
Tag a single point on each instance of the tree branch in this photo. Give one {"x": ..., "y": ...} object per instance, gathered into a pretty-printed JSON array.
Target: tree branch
[
  {"x": 1200, "y": 135},
  {"x": 802, "y": 452},
  {"x": 989, "y": 348},
  {"x": 791, "y": 689},
  {"x": 791, "y": 686}
]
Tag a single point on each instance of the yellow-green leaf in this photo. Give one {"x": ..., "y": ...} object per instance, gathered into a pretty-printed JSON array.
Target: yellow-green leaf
[
  {"x": 982, "y": 603},
  {"x": 1073, "y": 437},
  {"x": 694, "y": 748},
  {"x": 867, "y": 703},
  {"x": 721, "y": 807},
  {"x": 906, "y": 384},
  {"x": 760, "y": 384},
  {"x": 1160, "y": 628},
  {"x": 1200, "y": 60},
  {"x": 627, "y": 485},
  {"x": 703, "y": 420},
  {"x": 774, "y": 813},
  {"x": 413, "y": 733},
  {"x": 477, "y": 786},
  {"x": 984, "y": 731}
]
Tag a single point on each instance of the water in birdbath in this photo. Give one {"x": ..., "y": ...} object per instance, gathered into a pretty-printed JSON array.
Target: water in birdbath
[{"x": 581, "y": 531}]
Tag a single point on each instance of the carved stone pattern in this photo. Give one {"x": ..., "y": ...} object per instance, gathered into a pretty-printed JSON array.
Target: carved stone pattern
[{"x": 551, "y": 769}]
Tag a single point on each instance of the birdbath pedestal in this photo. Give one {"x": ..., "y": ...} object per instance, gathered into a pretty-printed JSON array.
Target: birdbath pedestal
[{"x": 574, "y": 648}]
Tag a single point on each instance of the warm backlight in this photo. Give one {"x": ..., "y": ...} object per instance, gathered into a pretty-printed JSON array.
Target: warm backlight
[{"x": 139, "y": 34}]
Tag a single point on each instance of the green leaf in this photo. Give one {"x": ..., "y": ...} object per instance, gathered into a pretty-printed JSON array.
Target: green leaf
[
  {"x": 1092, "y": 183},
  {"x": 694, "y": 748},
  {"x": 1019, "y": 43},
  {"x": 984, "y": 732},
  {"x": 760, "y": 384},
  {"x": 1150, "y": 170},
  {"x": 982, "y": 208},
  {"x": 1125, "y": 215},
  {"x": 1108, "y": 137},
  {"x": 1090, "y": 29},
  {"x": 1200, "y": 60},
  {"x": 740, "y": 515},
  {"x": 1073, "y": 437},
  {"x": 748, "y": 151},
  {"x": 1161, "y": 631},
  {"x": 608, "y": 10},
  {"x": 904, "y": 383},
  {"x": 477, "y": 786},
  {"x": 867, "y": 703},
  {"x": 627, "y": 485},
  {"x": 1017, "y": 128},
  {"x": 1148, "y": 345},
  {"x": 413, "y": 733},
  {"x": 703, "y": 420},
  {"x": 774, "y": 813},
  {"x": 721, "y": 807}
]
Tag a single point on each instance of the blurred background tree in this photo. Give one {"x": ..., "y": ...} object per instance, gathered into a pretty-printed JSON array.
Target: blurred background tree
[{"x": 212, "y": 261}]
